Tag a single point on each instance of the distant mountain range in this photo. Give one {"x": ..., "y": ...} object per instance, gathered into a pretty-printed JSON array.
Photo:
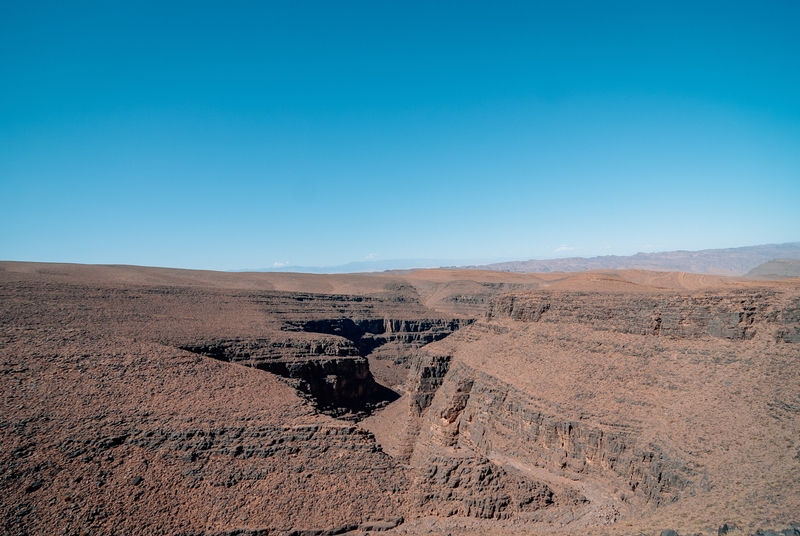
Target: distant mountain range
[
  {"x": 369, "y": 266},
  {"x": 777, "y": 269},
  {"x": 731, "y": 261}
]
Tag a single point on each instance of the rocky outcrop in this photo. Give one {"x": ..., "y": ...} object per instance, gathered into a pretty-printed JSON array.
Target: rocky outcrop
[
  {"x": 345, "y": 383},
  {"x": 324, "y": 357},
  {"x": 478, "y": 412},
  {"x": 255, "y": 351},
  {"x": 789, "y": 321},
  {"x": 453, "y": 479},
  {"x": 367, "y": 334},
  {"x": 427, "y": 374},
  {"x": 475, "y": 437},
  {"x": 476, "y": 487},
  {"x": 241, "y": 442},
  {"x": 398, "y": 426},
  {"x": 735, "y": 315},
  {"x": 329, "y": 370}
]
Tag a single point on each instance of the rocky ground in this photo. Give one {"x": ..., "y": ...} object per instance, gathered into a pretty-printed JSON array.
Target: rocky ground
[{"x": 156, "y": 401}]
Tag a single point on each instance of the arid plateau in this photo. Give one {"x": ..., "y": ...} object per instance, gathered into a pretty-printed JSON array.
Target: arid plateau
[{"x": 145, "y": 401}]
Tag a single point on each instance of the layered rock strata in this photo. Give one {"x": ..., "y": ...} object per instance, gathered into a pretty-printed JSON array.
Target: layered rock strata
[
  {"x": 540, "y": 391},
  {"x": 722, "y": 314},
  {"x": 111, "y": 437}
]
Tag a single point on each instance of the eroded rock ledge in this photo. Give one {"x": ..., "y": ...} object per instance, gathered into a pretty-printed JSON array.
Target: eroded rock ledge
[
  {"x": 735, "y": 315},
  {"x": 478, "y": 412},
  {"x": 324, "y": 358}
]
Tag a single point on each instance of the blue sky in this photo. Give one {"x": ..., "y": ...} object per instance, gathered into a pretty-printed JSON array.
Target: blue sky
[{"x": 236, "y": 135}]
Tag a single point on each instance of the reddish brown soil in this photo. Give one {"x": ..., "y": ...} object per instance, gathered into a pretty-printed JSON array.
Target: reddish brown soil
[{"x": 159, "y": 401}]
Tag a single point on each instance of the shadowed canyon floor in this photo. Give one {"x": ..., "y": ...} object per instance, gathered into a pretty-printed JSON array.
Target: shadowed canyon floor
[{"x": 159, "y": 401}]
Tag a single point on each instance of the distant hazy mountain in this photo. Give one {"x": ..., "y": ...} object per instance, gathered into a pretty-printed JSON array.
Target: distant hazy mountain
[
  {"x": 732, "y": 261},
  {"x": 776, "y": 269},
  {"x": 368, "y": 266}
]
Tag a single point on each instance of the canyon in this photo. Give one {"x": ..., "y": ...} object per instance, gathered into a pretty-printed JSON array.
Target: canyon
[{"x": 163, "y": 401}]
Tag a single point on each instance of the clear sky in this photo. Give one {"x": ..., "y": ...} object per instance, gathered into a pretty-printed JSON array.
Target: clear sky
[{"x": 233, "y": 135}]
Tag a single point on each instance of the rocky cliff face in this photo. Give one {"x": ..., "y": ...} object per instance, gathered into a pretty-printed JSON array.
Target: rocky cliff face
[
  {"x": 476, "y": 412},
  {"x": 473, "y": 486},
  {"x": 328, "y": 369},
  {"x": 480, "y": 447},
  {"x": 367, "y": 334},
  {"x": 452, "y": 477},
  {"x": 789, "y": 322},
  {"x": 465, "y": 413},
  {"x": 324, "y": 357},
  {"x": 727, "y": 315}
]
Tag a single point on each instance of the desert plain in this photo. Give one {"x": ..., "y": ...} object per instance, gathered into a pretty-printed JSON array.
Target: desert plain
[{"x": 161, "y": 401}]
